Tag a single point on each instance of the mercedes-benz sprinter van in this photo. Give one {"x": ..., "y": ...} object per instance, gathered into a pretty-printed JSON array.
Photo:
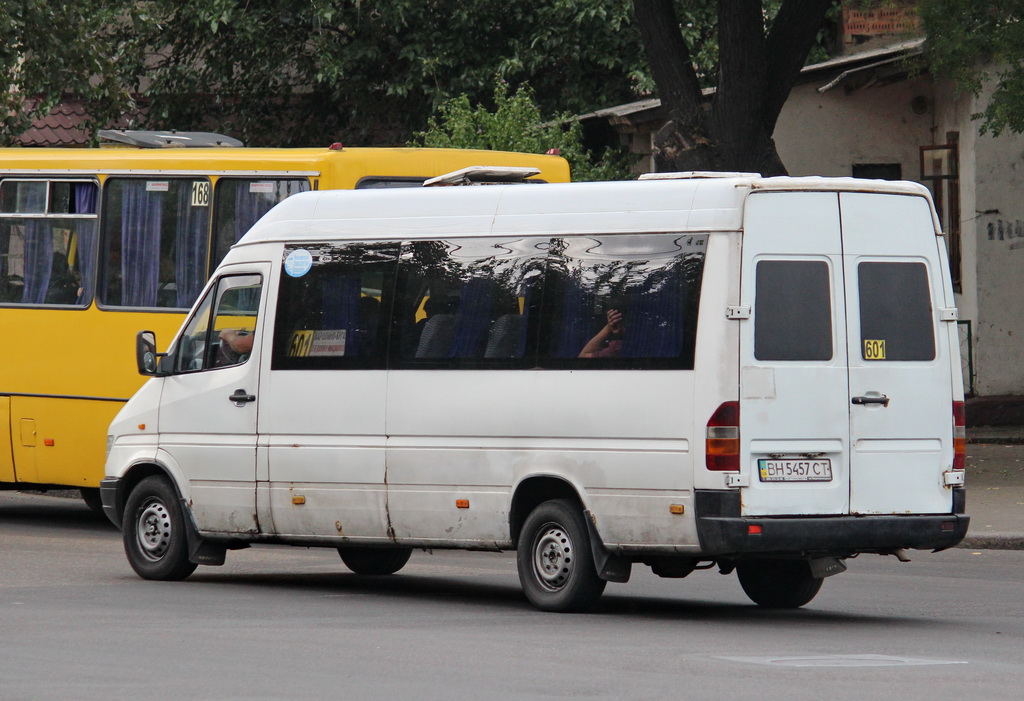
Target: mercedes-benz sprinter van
[{"x": 760, "y": 375}]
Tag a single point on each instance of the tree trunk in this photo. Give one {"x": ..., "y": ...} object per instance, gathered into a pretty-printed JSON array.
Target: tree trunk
[
  {"x": 756, "y": 74},
  {"x": 684, "y": 142},
  {"x": 739, "y": 103}
]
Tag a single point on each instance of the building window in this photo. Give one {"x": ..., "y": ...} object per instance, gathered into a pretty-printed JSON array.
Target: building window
[{"x": 878, "y": 171}]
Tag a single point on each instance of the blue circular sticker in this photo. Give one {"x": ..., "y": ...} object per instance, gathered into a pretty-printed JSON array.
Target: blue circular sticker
[{"x": 298, "y": 262}]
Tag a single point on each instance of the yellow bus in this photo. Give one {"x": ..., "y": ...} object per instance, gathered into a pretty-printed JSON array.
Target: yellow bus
[{"x": 96, "y": 244}]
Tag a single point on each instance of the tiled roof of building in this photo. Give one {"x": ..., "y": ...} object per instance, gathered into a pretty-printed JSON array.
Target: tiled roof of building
[{"x": 63, "y": 126}]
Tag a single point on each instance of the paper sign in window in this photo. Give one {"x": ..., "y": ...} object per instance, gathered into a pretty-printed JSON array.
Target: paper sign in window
[{"x": 319, "y": 343}]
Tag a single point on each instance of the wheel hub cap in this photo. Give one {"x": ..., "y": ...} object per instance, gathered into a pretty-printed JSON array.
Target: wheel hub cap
[
  {"x": 154, "y": 530},
  {"x": 553, "y": 557}
]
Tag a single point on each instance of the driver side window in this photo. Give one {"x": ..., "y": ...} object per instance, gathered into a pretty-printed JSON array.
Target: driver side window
[{"x": 221, "y": 331}]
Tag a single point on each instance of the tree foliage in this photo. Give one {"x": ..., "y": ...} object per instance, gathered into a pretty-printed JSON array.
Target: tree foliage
[
  {"x": 49, "y": 50},
  {"x": 516, "y": 124},
  {"x": 293, "y": 72},
  {"x": 308, "y": 72},
  {"x": 961, "y": 35}
]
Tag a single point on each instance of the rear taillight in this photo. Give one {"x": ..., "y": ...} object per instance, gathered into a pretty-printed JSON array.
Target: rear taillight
[
  {"x": 959, "y": 436},
  {"x": 722, "y": 446}
]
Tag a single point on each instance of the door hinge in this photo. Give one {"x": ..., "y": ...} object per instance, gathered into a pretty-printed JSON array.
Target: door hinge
[
  {"x": 948, "y": 314},
  {"x": 952, "y": 478},
  {"x": 737, "y": 480},
  {"x": 738, "y": 312}
]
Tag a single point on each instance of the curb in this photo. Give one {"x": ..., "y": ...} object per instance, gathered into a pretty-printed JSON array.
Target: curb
[
  {"x": 995, "y": 440},
  {"x": 993, "y": 541}
]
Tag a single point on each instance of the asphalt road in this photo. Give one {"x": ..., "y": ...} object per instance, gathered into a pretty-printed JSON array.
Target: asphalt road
[{"x": 278, "y": 622}]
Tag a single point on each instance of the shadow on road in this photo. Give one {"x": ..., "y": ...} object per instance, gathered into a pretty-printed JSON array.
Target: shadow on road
[
  {"x": 54, "y": 512},
  {"x": 421, "y": 590}
]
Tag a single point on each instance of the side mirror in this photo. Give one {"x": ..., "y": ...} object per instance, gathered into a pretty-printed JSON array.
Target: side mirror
[{"x": 146, "y": 358}]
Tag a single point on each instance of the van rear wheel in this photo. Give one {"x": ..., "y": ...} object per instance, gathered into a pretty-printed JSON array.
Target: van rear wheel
[
  {"x": 554, "y": 559},
  {"x": 778, "y": 584},
  {"x": 154, "y": 531},
  {"x": 375, "y": 561}
]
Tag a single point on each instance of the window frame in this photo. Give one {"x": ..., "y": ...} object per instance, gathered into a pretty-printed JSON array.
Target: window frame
[
  {"x": 532, "y": 311},
  {"x": 105, "y": 242},
  {"x": 214, "y": 296},
  {"x": 691, "y": 288},
  {"x": 829, "y": 306},
  {"x": 215, "y": 257},
  {"x": 88, "y": 283},
  {"x": 396, "y": 306},
  {"x": 925, "y": 286},
  {"x": 281, "y": 361}
]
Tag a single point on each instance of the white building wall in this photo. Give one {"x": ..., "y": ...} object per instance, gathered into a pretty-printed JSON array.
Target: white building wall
[
  {"x": 827, "y": 133},
  {"x": 992, "y": 179}
]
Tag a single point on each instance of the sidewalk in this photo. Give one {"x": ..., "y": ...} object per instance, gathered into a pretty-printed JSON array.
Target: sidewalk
[{"x": 995, "y": 487}]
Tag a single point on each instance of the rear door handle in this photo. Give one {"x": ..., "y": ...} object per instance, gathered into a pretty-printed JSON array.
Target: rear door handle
[
  {"x": 880, "y": 399},
  {"x": 241, "y": 397}
]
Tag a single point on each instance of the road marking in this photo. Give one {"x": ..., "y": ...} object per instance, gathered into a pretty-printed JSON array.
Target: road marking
[{"x": 838, "y": 661}]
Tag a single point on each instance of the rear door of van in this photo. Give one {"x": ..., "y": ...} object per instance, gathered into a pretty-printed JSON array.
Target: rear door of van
[
  {"x": 846, "y": 387},
  {"x": 901, "y": 362}
]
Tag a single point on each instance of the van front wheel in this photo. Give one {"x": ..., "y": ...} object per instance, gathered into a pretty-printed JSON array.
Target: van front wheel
[
  {"x": 154, "y": 532},
  {"x": 778, "y": 584},
  {"x": 375, "y": 561},
  {"x": 555, "y": 563}
]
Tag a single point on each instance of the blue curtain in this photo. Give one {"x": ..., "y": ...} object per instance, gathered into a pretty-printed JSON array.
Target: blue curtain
[
  {"x": 85, "y": 195},
  {"x": 249, "y": 207},
  {"x": 189, "y": 248},
  {"x": 474, "y": 319},
  {"x": 141, "y": 220},
  {"x": 341, "y": 309},
  {"x": 575, "y": 323},
  {"x": 654, "y": 321},
  {"x": 38, "y": 250}
]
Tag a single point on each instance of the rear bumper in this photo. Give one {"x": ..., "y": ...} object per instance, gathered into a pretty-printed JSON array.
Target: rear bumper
[{"x": 724, "y": 532}]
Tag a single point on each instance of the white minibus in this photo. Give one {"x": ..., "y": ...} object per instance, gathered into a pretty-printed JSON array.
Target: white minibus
[{"x": 690, "y": 371}]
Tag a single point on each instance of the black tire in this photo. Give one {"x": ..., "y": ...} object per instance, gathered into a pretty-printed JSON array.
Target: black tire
[
  {"x": 153, "y": 529},
  {"x": 91, "y": 497},
  {"x": 555, "y": 562},
  {"x": 374, "y": 561},
  {"x": 778, "y": 584}
]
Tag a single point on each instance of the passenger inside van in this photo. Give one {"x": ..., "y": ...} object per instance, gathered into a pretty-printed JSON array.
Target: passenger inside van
[
  {"x": 235, "y": 347},
  {"x": 607, "y": 343}
]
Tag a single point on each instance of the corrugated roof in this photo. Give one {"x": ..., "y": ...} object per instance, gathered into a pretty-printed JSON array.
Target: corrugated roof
[{"x": 857, "y": 62}]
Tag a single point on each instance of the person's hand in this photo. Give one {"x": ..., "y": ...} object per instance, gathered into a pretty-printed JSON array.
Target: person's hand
[
  {"x": 240, "y": 341},
  {"x": 615, "y": 325}
]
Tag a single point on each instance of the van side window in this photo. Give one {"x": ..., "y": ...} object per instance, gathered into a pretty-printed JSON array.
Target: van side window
[
  {"x": 333, "y": 306},
  {"x": 627, "y": 301},
  {"x": 467, "y": 303},
  {"x": 224, "y": 337},
  {"x": 792, "y": 310},
  {"x": 895, "y": 311}
]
